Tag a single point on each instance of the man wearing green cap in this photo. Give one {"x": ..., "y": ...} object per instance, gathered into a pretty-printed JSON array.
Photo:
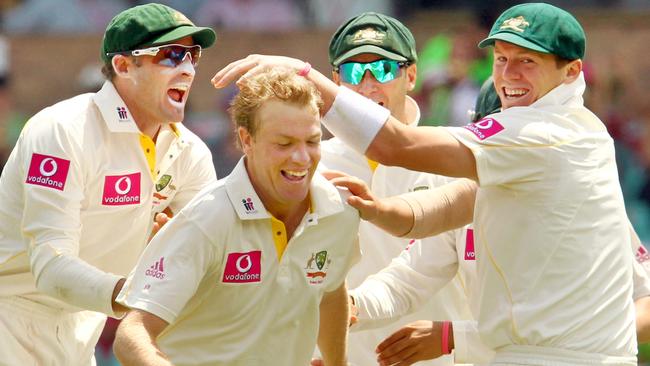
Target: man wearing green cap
[
  {"x": 552, "y": 236},
  {"x": 375, "y": 56},
  {"x": 84, "y": 182}
]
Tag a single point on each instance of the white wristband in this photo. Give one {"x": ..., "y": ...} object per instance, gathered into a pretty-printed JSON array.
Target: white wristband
[{"x": 355, "y": 119}]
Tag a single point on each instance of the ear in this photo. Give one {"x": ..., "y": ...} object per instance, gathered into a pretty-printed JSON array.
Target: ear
[
  {"x": 336, "y": 77},
  {"x": 121, "y": 65},
  {"x": 245, "y": 139},
  {"x": 411, "y": 76},
  {"x": 573, "y": 70}
]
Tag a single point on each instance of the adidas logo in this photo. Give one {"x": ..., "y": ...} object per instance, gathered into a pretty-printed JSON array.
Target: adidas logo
[{"x": 156, "y": 270}]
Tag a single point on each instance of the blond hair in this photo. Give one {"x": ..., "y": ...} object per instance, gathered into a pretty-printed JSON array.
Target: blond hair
[{"x": 279, "y": 83}]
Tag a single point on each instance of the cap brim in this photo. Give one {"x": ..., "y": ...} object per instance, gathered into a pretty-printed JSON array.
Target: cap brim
[
  {"x": 368, "y": 48},
  {"x": 202, "y": 36},
  {"x": 512, "y": 38}
]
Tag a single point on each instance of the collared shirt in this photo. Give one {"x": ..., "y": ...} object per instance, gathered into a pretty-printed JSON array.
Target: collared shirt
[
  {"x": 215, "y": 275},
  {"x": 80, "y": 181},
  {"x": 554, "y": 270},
  {"x": 380, "y": 248}
]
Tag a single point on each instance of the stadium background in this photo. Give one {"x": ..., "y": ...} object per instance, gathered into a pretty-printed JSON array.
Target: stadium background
[{"x": 49, "y": 51}]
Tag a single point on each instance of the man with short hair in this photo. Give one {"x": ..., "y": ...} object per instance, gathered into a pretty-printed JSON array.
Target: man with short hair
[
  {"x": 84, "y": 182},
  {"x": 552, "y": 236},
  {"x": 252, "y": 271},
  {"x": 375, "y": 55}
]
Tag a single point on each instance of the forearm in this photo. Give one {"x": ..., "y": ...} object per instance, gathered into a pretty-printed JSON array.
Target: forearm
[
  {"x": 333, "y": 330},
  {"x": 643, "y": 319},
  {"x": 74, "y": 281},
  {"x": 442, "y": 209},
  {"x": 135, "y": 341}
]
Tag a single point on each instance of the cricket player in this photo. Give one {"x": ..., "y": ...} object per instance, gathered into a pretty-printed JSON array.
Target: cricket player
[
  {"x": 252, "y": 271},
  {"x": 418, "y": 274},
  {"x": 84, "y": 181},
  {"x": 375, "y": 55},
  {"x": 552, "y": 237}
]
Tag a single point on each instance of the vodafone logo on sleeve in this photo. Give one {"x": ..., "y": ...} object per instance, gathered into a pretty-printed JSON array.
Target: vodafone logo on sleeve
[
  {"x": 243, "y": 267},
  {"x": 121, "y": 190},
  {"x": 470, "y": 253},
  {"x": 48, "y": 171},
  {"x": 485, "y": 128}
]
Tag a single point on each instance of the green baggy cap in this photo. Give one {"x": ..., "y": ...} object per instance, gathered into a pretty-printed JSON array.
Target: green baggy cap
[
  {"x": 540, "y": 27},
  {"x": 372, "y": 32},
  {"x": 151, "y": 25}
]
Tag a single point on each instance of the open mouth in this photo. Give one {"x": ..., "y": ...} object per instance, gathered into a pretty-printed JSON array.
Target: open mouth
[
  {"x": 295, "y": 175},
  {"x": 513, "y": 93},
  {"x": 177, "y": 94}
]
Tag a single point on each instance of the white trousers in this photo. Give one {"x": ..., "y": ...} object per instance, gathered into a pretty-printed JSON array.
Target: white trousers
[{"x": 39, "y": 335}]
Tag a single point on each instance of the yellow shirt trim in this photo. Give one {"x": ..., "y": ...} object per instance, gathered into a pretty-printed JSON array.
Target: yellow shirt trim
[
  {"x": 149, "y": 150},
  {"x": 175, "y": 130},
  {"x": 373, "y": 164},
  {"x": 279, "y": 236}
]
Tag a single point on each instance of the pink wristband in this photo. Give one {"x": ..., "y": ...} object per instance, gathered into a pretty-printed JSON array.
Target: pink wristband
[
  {"x": 445, "y": 337},
  {"x": 305, "y": 70}
]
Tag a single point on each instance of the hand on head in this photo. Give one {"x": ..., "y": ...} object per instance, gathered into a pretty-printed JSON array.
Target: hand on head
[{"x": 240, "y": 70}]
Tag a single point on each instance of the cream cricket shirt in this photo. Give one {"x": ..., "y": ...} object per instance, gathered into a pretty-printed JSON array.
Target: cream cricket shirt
[
  {"x": 82, "y": 180},
  {"x": 380, "y": 248},
  {"x": 215, "y": 275},
  {"x": 551, "y": 232}
]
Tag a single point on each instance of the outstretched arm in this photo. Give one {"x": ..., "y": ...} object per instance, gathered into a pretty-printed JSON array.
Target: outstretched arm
[
  {"x": 135, "y": 341},
  {"x": 366, "y": 126},
  {"x": 416, "y": 214}
]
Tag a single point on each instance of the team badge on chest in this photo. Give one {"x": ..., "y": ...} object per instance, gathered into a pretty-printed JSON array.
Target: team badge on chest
[
  {"x": 316, "y": 268},
  {"x": 121, "y": 190}
]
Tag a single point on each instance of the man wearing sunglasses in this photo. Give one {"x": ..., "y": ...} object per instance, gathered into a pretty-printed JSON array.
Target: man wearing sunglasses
[
  {"x": 84, "y": 182},
  {"x": 375, "y": 55}
]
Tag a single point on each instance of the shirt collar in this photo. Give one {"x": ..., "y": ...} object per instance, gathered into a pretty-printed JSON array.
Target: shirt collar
[
  {"x": 564, "y": 94},
  {"x": 116, "y": 114},
  {"x": 414, "y": 105},
  {"x": 325, "y": 198},
  {"x": 113, "y": 109}
]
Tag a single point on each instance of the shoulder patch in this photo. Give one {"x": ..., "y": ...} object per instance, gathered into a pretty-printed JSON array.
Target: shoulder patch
[
  {"x": 48, "y": 171},
  {"x": 485, "y": 128}
]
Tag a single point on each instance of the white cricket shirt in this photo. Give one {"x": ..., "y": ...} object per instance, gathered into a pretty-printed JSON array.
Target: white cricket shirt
[
  {"x": 82, "y": 180},
  {"x": 213, "y": 273},
  {"x": 554, "y": 268}
]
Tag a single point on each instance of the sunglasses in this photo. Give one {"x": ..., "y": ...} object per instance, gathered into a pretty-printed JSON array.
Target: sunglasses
[
  {"x": 170, "y": 55},
  {"x": 383, "y": 70}
]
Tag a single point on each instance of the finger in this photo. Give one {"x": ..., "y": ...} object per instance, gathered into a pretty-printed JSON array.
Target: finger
[
  {"x": 316, "y": 362},
  {"x": 406, "y": 358},
  {"x": 331, "y": 174},
  {"x": 233, "y": 71},
  {"x": 395, "y": 353},
  {"x": 395, "y": 337},
  {"x": 366, "y": 208}
]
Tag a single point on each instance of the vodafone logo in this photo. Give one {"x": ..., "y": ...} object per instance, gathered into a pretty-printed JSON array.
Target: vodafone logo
[
  {"x": 48, "y": 171},
  {"x": 43, "y": 167},
  {"x": 121, "y": 190},
  {"x": 243, "y": 267},
  {"x": 485, "y": 128},
  {"x": 246, "y": 267},
  {"x": 470, "y": 253},
  {"x": 124, "y": 181}
]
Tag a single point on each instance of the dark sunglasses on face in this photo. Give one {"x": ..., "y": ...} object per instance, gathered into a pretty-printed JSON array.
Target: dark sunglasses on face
[
  {"x": 383, "y": 70},
  {"x": 170, "y": 55}
]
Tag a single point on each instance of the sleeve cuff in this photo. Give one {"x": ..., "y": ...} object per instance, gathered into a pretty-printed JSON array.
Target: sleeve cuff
[{"x": 355, "y": 119}]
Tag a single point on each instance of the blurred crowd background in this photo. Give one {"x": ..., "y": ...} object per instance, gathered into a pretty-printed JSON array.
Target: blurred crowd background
[{"x": 49, "y": 51}]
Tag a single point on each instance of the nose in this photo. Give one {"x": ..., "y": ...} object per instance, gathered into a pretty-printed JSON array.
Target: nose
[
  {"x": 510, "y": 71},
  {"x": 186, "y": 66},
  {"x": 368, "y": 84},
  {"x": 301, "y": 154}
]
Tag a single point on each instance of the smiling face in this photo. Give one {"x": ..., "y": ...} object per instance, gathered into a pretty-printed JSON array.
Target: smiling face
[
  {"x": 522, "y": 76},
  {"x": 282, "y": 154},
  {"x": 391, "y": 94},
  {"x": 156, "y": 93}
]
